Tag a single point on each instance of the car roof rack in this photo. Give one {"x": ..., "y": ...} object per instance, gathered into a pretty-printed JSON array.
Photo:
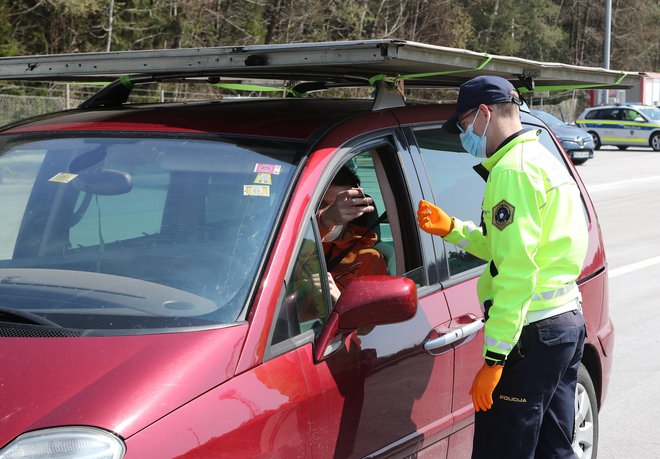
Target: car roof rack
[{"x": 382, "y": 64}]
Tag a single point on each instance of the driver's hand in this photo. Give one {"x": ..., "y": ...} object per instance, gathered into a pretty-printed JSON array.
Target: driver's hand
[
  {"x": 334, "y": 290},
  {"x": 348, "y": 205}
]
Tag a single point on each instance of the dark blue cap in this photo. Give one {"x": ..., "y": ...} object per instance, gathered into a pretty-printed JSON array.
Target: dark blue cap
[{"x": 486, "y": 90}]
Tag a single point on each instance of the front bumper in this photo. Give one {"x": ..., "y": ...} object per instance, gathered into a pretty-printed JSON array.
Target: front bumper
[{"x": 578, "y": 149}]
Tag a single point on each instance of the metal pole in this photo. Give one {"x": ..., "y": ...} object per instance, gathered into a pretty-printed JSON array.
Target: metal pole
[{"x": 608, "y": 33}]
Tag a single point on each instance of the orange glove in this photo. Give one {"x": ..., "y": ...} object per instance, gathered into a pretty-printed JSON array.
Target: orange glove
[
  {"x": 483, "y": 386},
  {"x": 433, "y": 219}
]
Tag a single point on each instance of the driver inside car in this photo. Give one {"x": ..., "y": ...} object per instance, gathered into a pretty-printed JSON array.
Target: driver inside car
[{"x": 349, "y": 248}]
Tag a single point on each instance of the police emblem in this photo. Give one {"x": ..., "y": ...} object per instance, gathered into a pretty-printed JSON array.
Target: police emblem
[{"x": 503, "y": 215}]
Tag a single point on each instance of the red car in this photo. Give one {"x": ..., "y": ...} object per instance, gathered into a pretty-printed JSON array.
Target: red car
[{"x": 163, "y": 290}]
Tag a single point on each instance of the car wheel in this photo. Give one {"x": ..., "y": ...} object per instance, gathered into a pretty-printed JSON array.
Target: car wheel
[
  {"x": 596, "y": 139},
  {"x": 585, "y": 435},
  {"x": 579, "y": 161},
  {"x": 655, "y": 141},
  {"x": 622, "y": 147}
]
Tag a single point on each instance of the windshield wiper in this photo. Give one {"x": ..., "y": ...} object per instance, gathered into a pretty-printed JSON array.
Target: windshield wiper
[{"x": 23, "y": 317}]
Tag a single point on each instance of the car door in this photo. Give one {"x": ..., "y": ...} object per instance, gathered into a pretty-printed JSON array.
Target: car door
[
  {"x": 612, "y": 127},
  {"x": 377, "y": 392},
  {"x": 456, "y": 187},
  {"x": 634, "y": 127}
]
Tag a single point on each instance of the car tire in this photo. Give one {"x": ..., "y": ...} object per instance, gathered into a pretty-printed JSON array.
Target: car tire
[
  {"x": 577, "y": 162},
  {"x": 585, "y": 432},
  {"x": 622, "y": 147},
  {"x": 655, "y": 141},
  {"x": 596, "y": 140}
]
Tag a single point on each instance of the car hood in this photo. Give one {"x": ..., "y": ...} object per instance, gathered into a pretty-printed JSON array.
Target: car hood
[{"x": 120, "y": 383}]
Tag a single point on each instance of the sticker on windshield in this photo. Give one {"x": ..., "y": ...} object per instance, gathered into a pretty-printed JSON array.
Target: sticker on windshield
[
  {"x": 264, "y": 179},
  {"x": 267, "y": 168},
  {"x": 62, "y": 177},
  {"x": 256, "y": 190}
]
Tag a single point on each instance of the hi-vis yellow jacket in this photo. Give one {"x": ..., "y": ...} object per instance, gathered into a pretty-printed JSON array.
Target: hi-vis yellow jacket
[{"x": 533, "y": 233}]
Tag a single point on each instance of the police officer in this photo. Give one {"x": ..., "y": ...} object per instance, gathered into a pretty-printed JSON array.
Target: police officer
[{"x": 533, "y": 233}]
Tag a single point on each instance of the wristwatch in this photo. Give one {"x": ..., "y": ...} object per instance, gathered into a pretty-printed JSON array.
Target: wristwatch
[
  {"x": 492, "y": 363},
  {"x": 494, "y": 358}
]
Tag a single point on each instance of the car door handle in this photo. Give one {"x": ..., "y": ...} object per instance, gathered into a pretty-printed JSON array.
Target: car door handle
[{"x": 454, "y": 335}]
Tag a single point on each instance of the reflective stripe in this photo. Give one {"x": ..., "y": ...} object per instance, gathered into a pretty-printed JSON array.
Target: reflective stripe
[
  {"x": 550, "y": 294},
  {"x": 626, "y": 139},
  {"x": 464, "y": 243},
  {"x": 501, "y": 345},
  {"x": 471, "y": 227},
  {"x": 535, "y": 316}
]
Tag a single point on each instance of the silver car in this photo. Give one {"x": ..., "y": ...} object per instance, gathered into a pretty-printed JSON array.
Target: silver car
[{"x": 577, "y": 142}]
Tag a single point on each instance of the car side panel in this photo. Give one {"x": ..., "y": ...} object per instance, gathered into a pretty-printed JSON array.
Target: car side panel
[
  {"x": 464, "y": 308},
  {"x": 381, "y": 393}
]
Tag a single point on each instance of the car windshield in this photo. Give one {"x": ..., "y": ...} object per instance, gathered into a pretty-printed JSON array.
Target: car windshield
[
  {"x": 120, "y": 235},
  {"x": 651, "y": 113},
  {"x": 547, "y": 118}
]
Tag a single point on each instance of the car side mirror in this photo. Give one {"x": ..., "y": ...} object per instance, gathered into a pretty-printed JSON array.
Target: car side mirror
[{"x": 366, "y": 302}]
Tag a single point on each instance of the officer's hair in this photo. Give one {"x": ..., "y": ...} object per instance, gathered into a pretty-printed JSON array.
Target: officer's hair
[{"x": 508, "y": 110}]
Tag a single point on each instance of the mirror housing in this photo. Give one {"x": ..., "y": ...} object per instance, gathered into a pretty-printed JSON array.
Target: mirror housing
[
  {"x": 104, "y": 182},
  {"x": 366, "y": 302}
]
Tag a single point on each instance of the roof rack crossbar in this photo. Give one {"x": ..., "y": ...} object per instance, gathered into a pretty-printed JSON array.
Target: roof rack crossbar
[{"x": 333, "y": 64}]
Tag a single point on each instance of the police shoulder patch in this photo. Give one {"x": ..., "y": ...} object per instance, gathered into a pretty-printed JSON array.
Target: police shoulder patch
[{"x": 503, "y": 215}]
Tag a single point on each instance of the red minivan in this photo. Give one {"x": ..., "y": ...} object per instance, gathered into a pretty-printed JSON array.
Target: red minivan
[{"x": 163, "y": 288}]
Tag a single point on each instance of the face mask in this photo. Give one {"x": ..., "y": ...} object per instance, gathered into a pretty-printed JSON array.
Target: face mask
[
  {"x": 474, "y": 144},
  {"x": 333, "y": 234}
]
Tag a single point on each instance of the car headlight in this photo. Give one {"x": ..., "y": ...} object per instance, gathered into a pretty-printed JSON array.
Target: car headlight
[
  {"x": 567, "y": 139},
  {"x": 65, "y": 443}
]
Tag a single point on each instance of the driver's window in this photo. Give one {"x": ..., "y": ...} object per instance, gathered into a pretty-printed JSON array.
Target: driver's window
[
  {"x": 630, "y": 115},
  {"x": 356, "y": 235}
]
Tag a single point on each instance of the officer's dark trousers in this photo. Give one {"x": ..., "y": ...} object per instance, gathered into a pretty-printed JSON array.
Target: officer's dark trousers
[{"x": 534, "y": 403}]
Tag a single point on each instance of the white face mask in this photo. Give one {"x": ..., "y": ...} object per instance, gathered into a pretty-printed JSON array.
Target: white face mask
[
  {"x": 333, "y": 234},
  {"x": 474, "y": 144}
]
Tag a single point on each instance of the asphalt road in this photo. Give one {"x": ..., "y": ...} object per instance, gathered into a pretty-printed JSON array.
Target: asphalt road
[{"x": 625, "y": 188}]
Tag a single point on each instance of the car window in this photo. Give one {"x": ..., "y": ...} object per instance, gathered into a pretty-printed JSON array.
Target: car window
[
  {"x": 651, "y": 113},
  {"x": 548, "y": 118},
  {"x": 613, "y": 114},
  {"x": 629, "y": 115},
  {"x": 304, "y": 306},
  {"x": 594, "y": 114},
  {"x": 125, "y": 235},
  {"x": 376, "y": 221},
  {"x": 385, "y": 235},
  {"x": 381, "y": 177},
  {"x": 457, "y": 188}
]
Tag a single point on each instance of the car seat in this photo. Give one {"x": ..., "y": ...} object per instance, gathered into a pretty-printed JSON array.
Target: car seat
[{"x": 371, "y": 221}]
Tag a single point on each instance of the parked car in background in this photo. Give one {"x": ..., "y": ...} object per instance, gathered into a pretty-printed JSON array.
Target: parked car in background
[
  {"x": 622, "y": 125},
  {"x": 576, "y": 142},
  {"x": 164, "y": 291}
]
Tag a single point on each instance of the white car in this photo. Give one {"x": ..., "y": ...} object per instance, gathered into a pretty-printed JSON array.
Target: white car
[{"x": 622, "y": 125}]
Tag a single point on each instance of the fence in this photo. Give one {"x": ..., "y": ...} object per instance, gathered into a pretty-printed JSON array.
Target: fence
[{"x": 18, "y": 102}]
